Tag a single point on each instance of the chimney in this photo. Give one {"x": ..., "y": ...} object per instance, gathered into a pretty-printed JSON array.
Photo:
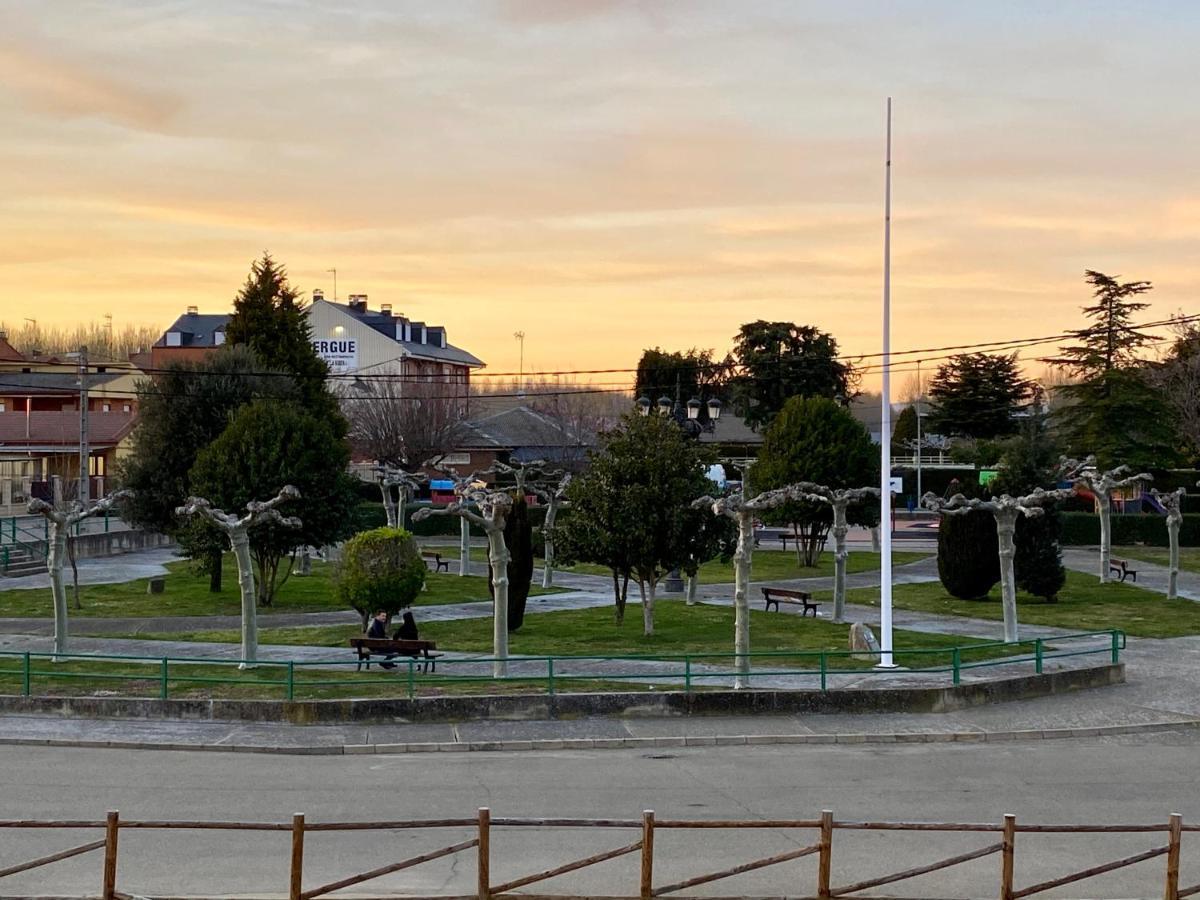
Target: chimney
[
  {"x": 358, "y": 302},
  {"x": 386, "y": 309},
  {"x": 318, "y": 294},
  {"x": 193, "y": 310}
]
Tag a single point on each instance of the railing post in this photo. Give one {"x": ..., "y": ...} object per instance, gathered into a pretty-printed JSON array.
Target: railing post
[
  {"x": 484, "y": 853},
  {"x": 291, "y": 680},
  {"x": 1037, "y": 656},
  {"x": 687, "y": 674},
  {"x": 823, "y": 672},
  {"x": 412, "y": 690},
  {"x": 26, "y": 676},
  {"x": 296, "y": 879},
  {"x": 825, "y": 861},
  {"x": 1116, "y": 648},
  {"x": 1174, "y": 832},
  {"x": 164, "y": 678},
  {"x": 647, "y": 880},
  {"x": 108, "y": 890},
  {"x": 550, "y": 675},
  {"x": 956, "y": 663},
  {"x": 1008, "y": 846}
]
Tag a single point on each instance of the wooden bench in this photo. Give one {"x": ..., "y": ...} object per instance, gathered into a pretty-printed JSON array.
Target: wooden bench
[
  {"x": 439, "y": 564},
  {"x": 422, "y": 650},
  {"x": 1121, "y": 567},
  {"x": 797, "y": 598}
]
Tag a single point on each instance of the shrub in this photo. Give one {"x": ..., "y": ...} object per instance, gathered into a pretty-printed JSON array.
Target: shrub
[
  {"x": 968, "y": 562},
  {"x": 1083, "y": 529},
  {"x": 518, "y": 537},
  {"x": 380, "y": 569},
  {"x": 1038, "y": 561}
]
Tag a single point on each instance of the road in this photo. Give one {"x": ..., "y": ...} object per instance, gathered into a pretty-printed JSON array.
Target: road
[{"x": 1131, "y": 779}]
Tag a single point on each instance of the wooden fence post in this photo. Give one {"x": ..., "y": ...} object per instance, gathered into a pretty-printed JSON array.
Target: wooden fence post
[
  {"x": 484, "y": 853},
  {"x": 647, "y": 884},
  {"x": 825, "y": 860},
  {"x": 296, "y": 880},
  {"x": 1175, "y": 832},
  {"x": 111, "y": 830},
  {"x": 1006, "y": 857}
]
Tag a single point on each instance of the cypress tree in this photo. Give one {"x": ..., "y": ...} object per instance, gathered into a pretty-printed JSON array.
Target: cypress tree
[
  {"x": 968, "y": 558},
  {"x": 518, "y": 537},
  {"x": 1038, "y": 562}
]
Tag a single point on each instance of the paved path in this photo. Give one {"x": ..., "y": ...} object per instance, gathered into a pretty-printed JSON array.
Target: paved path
[
  {"x": 104, "y": 570},
  {"x": 1150, "y": 576}
]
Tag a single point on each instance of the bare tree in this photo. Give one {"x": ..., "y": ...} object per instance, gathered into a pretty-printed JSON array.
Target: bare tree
[
  {"x": 1172, "y": 504},
  {"x": 744, "y": 512},
  {"x": 398, "y": 488},
  {"x": 1102, "y": 484},
  {"x": 60, "y": 519},
  {"x": 237, "y": 530},
  {"x": 399, "y": 421},
  {"x": 494, "y": 507},
  {"x": 839, "y": 499},
  {"x": 1005, "y": 509}
]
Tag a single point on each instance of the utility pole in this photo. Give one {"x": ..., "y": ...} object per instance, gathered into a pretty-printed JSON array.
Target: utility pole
[
  {"x": 84, "y": 450},
  {"x": 920, "y": 493},
  {"x": 334, "y": 271},
  {"x": 520, "y": 336}
]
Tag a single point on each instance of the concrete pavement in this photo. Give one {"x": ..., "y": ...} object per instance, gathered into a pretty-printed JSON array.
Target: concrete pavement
[{"x": 1123, "y": 779}]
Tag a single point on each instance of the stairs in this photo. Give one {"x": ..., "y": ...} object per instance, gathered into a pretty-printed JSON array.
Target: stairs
[{"x": 20, "y": 562}]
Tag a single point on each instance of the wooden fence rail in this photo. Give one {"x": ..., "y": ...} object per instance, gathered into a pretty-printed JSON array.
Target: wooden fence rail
[{"x": 482, "y": 824}]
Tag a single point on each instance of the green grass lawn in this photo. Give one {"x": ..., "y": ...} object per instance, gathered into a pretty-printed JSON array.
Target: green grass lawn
[
  {"x": 1083, "y": 605},
  {"x": 187, "y": 594},
  {"x": 1189, "y": 557},
  {"x": 678, "y": 628},
  {"x": 768, "y": 565}
]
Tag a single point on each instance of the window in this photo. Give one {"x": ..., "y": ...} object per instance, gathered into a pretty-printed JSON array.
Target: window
[
  {"x": 174, "y": 339},
  {"x": 105, "y": 407},
  {"x": 126, "y": 407},
  {"x": 3, "y": 406}
]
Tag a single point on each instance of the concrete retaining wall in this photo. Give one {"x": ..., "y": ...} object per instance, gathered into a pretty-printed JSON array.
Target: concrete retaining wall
[
  {"x": 111, "y": 543},
  {"x": 564, "y": 706}
]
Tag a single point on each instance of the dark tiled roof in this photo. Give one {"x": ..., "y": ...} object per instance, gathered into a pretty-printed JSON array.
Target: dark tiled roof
[
  {"x": 56, "y": 429},
  {"x": 196, "y": 330},
  {"x": 514, "y": 428},
  {"x": 731, "y": 429},
  {"x": 50, "y": 382}
]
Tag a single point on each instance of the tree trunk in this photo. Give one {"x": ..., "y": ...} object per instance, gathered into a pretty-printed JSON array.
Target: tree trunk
[
  {"x": 839, "y": 560},
  {"x": 305, "y": 563},
  {"x": 498, "y": 552},
  {"x": 799, "y": 546},
  {"x": 464, "y": 548},
  {"x": 692, "y": 582},
  {"x": 55, "y": 557},
  {"x": 741, "y": 599},
  {"x": 875, "y": 545},
  {"x": 1173, "y": 564},
  {"x": 1006, "y": 526},
  {"x": 618, "y": 596},
  {"x": 548, "y": 534},
  {"x": 389, "y": 504},
  {"x": 648, "y": 592},
  {"x": 240, "y": 541},
  {"x": 1105, "y": 504},
  {"x": 215, "y": 562}
]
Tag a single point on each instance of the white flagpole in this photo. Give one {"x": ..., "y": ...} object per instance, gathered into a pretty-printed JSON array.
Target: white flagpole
[{"x": 885, "y": 422}]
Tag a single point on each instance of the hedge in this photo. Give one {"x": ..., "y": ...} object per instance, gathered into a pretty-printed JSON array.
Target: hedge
[
  {"x": 1084, "y": 529},
  {"x": 371, "y": 515}
]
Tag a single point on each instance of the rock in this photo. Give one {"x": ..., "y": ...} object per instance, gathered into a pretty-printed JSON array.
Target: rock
[{"x": 863, "y": 639}]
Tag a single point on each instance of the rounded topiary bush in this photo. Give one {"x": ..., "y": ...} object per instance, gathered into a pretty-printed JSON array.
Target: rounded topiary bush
[
  {"x": 968, "y": 562},
  {"x": 380, "y": 569}
]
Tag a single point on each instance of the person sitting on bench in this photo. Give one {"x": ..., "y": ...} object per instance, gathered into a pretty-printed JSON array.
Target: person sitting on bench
[
  {"x": 407, "y": 630},
  {"x": 378, "y": 629}
]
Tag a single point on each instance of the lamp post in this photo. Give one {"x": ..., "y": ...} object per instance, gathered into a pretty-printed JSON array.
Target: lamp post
[{"x": 688, "y": 418}]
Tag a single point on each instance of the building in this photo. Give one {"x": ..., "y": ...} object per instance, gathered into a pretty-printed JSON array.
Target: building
[
  {"x": 350, "y": 337},
  {"x": 516, "y": 435},
  {"x": 40, "y": 423}
]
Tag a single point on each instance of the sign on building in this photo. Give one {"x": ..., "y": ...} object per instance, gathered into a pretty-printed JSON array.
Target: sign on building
[{"x": 340, "y": 355}]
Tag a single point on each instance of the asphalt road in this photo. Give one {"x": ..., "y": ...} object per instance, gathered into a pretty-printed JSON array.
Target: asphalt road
[{"x": 1128, "y": 779}]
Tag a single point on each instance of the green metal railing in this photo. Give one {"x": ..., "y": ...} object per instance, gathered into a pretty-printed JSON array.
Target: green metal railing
[{"x": 158, "y": 674}]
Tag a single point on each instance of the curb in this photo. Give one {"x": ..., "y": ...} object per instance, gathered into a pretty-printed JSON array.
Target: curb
[{"x": 629, "y": 743}]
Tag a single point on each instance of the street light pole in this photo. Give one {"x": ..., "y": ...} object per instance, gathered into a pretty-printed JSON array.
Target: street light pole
[
  {"x": 885, "y": 423},
  {"x": 920, "y": 493}
]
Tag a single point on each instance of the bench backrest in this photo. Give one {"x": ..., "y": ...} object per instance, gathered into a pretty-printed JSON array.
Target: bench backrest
[
  {"x": 784, "y": 592},
  {"x": 387, "y": 644},
  {"x": 431, "y": 554}
]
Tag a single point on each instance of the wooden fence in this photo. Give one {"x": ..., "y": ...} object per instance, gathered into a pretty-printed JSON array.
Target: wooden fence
[{"x": 823, "y": 829}]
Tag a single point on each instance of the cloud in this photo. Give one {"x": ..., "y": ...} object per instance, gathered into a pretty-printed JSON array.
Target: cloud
[{"x": 67, "y": 89}]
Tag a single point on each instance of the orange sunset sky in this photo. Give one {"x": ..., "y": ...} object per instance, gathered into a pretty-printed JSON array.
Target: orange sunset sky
[{"x": 603, "y": 175}]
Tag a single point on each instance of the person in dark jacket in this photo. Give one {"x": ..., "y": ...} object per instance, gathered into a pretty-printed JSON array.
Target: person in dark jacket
[
  {"x": 378, "y": 629},
  {"x": 407, "y": 630}
]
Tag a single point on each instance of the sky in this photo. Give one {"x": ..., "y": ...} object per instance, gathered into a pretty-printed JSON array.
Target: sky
[{"x": 603, "y": 175}]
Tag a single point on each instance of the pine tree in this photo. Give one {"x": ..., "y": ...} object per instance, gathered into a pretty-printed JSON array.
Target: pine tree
[
  {"x": 968, "y": 564},
  {"x": 977, "y": 395},
  {"x": 1113, "y": 411}
]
